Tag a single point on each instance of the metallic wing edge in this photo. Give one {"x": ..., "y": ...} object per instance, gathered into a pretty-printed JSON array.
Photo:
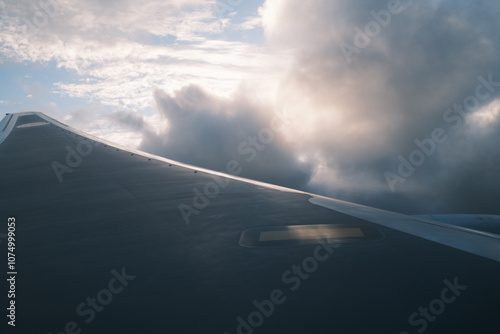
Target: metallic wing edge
[{"x": 475, "y": 242}]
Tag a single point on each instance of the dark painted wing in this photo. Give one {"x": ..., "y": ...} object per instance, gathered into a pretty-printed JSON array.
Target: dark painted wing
[{"x": 102, "y": 246}]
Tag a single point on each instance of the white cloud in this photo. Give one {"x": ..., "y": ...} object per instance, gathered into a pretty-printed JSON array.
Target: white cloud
[
  {"x": 250, "y": 23},
  {"x": 108, "y": 45},
  {"x": 487, "y": 116}
]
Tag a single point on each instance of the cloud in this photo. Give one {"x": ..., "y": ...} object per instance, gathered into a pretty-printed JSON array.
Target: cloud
[
  {"x": 122, "y": 50},
  {"x": 357, "y": 117},
  {"x": 209, "y": 131}
]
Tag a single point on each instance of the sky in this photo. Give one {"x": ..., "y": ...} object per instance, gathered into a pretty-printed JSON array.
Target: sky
[{"x": 392, "y": 104}]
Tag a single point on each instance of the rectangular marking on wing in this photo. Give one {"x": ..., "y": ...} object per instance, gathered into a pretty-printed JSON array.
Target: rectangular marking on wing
[{"x": 311, "y": 233}]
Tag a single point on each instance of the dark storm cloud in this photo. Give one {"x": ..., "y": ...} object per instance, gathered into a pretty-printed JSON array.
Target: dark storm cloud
[
  {"x": 395, "y": 90},
  {"x": 209, "y": 131}
]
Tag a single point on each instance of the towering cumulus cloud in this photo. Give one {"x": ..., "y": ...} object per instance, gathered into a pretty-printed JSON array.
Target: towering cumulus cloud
[{"x": 210, "y": 131}]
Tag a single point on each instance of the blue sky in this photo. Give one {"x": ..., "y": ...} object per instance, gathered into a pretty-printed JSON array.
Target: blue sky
[{"x": 359, "y": 83}]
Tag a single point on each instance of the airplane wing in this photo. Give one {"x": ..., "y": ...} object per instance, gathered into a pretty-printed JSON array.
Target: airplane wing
[{"x": 97, "y": 238}]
